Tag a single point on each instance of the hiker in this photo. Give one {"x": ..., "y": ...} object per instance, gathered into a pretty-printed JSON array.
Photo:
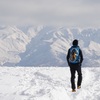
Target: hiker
[{"x": 74, "y": 59}]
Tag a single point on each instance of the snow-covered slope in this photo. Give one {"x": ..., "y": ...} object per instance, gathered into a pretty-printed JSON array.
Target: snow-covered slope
[
  {"x": 12, "y": 42},
  {"x": 46, "y": 45},
  {"x": 47, "y": 83}
]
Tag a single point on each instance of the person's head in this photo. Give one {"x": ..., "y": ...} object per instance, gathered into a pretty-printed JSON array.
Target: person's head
[{"x": 75, "y": 42}]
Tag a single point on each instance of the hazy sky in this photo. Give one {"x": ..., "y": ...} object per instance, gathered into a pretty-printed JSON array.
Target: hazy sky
[{"x": 79, "y": 13}]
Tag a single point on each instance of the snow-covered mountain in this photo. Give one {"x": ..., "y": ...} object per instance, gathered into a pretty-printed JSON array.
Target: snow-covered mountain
[
  {"x": 46, "y": 45},
  {"x": 12, "y": 42}
]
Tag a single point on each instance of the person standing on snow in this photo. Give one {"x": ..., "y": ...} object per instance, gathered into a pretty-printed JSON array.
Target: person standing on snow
[{"x": 75, "y": 59}]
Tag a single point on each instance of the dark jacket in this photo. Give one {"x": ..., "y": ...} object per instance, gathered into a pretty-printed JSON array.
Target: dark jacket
[{"x": 81, "y": 57}]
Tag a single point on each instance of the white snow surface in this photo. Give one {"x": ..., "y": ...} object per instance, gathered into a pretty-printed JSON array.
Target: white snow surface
[{"x": 47, "y": 83}]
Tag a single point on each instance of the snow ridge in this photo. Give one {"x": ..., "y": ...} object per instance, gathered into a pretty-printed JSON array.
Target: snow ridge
[{"x": 47, "y": 83}]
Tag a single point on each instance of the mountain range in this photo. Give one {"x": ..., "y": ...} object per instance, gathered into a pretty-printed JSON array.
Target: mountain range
[{"x": 46, "y": 45}]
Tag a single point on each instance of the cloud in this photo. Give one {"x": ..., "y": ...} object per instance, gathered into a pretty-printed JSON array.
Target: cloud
[
  {"x": 81, "y": 13},
  {"x": 91, "y": 1}
]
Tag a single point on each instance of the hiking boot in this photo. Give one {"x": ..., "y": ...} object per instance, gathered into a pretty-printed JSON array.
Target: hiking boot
[
  {"x": 73, "y": 90},
  {"x": 78, "y": 87}
]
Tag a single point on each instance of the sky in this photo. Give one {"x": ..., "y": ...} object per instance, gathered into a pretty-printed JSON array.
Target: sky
[{"x": 72, "y": 13}]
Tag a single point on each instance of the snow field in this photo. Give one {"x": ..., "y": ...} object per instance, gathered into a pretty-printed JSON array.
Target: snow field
[{"x": 47, "y": 83}]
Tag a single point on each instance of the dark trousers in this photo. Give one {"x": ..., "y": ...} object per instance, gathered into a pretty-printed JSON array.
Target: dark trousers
[{"x": 73, "y": 69}]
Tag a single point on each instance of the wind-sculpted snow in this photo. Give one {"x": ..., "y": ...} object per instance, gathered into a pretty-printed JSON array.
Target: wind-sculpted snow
[
  {"x": 46, "y": 45},
  {"x": 47, "y": 83}
]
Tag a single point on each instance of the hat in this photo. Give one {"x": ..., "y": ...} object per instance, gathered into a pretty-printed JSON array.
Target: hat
[{"x": 75, "y": 42}]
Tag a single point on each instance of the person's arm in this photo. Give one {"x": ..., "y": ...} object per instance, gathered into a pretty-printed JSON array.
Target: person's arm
[
  {"x": 81, "y": 55},
  {"x": 67, "y": 57}
]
